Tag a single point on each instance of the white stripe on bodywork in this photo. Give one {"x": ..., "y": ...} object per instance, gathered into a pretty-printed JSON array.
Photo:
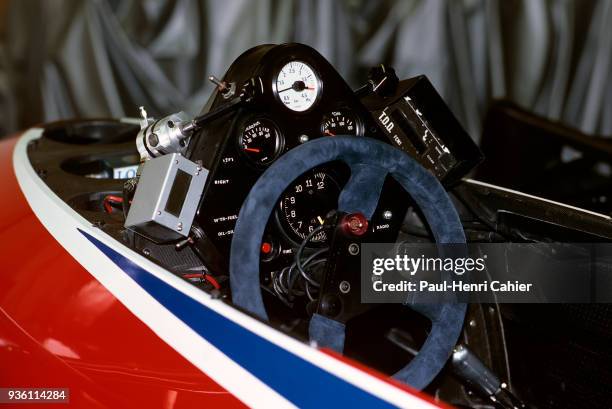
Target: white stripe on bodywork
[{"x": 62, "y": 222}]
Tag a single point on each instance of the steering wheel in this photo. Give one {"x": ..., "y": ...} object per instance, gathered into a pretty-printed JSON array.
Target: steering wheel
[{"x": 370, "y": 162}]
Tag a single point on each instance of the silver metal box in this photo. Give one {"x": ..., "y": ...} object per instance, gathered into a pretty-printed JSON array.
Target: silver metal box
[{"x": 166, "y": 198}]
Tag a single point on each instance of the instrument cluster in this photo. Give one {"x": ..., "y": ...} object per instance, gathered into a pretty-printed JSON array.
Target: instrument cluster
[
  {"x": 261, "y": 141},
  {"x": 299, "y": 88},
  {"x": 295, "y": 96},
  {"x": 302, "y": 98}
]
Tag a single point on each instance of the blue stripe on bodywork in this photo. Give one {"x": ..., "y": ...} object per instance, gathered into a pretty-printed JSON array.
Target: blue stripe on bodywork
[{"x": 299, "y": 381}]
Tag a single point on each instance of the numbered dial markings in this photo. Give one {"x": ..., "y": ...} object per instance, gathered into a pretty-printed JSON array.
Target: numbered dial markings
[
  {"x": 261, "y": 141},
  {"x": 339, "y": 123},
  {"x": 305, "y": 204},
  {"x": 297, "y": 86}
]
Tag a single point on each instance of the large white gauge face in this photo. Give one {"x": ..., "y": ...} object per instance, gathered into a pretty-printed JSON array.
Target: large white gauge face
[{"x": 297, "y": 86}]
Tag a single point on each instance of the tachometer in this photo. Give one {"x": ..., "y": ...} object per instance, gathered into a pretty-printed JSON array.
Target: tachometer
[
  {"x": 297, "y": 86},
  {"x": 306, "y": 203},
  {"x": 261, "y": 141},
  {"x": 339, "y": 123}
]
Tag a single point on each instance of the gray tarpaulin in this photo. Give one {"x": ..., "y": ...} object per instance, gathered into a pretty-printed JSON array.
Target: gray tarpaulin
[{"x": 63, "y": 58}]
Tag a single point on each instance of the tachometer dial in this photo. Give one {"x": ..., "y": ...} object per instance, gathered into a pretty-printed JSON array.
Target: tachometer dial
[
  {"x": 297, "y": 86},
  {"x": 305, "y": 204},
  {"x": 261, "y": 141},
  {"x": 339, "y": 123}
]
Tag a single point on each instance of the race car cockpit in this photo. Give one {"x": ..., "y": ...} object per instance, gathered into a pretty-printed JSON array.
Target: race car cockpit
[{"x": 265, "y": 199}]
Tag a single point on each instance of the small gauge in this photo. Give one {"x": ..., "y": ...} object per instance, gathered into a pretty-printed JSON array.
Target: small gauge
[
  {"x": 339, "y": 123},
  {"x": 306, "y": 203},
  {"x": 297, "y": 86},
  {"x": 261, "y": 141}
]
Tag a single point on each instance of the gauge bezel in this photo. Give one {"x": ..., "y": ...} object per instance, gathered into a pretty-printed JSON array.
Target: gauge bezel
[
  {"x": 339, "y": 173},
  {"x": 359, "y": 126},
  {"x": 280, "y": 140},
  {"x": 277, "y": 72}
]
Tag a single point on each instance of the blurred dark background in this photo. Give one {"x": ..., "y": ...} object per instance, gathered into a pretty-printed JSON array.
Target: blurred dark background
[{"x": 62, "y": 58}]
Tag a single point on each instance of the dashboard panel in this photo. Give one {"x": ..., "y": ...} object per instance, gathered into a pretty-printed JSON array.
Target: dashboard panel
[
  {"x": 302, "y": 98},
  {"x": 299, "y": 97}
]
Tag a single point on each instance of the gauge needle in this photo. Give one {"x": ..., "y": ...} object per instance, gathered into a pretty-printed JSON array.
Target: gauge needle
[
  {"x": 297, "y": 86},
  {"x": 328, "y": 132},
  {"x": 252, "y": 150},
  {"x": 320, "y": 220},
  {"x": 287, "y": 89}
]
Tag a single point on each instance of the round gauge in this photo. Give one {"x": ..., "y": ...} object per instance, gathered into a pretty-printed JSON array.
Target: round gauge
[
  {"x": 261, "y": 141},
  {"x": 305, "y": 204},
  {"x": 339, "y": 123},
  {"x": 297, "y": 86}
]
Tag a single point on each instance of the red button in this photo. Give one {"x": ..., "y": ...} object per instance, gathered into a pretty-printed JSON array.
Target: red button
[
  {"x": 355, "y": 224},
  {"x": 266, "y": 248}
]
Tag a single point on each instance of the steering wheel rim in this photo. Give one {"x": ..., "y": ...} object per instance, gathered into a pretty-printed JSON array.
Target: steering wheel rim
[{"x": 370, "y": 161}]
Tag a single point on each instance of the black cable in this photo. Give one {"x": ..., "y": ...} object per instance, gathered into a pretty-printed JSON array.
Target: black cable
[
  {"x": 307, "y": 285},
  {"x": 298, "y": 254},
  {"x": 284, "y": 281},
  {"x": 310, "y": 262},
  {"x": 287, "y": 275},
  {"x": 127, "y": 194}
]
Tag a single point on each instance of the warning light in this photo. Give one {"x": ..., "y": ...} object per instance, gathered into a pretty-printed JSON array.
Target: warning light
[{"x": 266, "y": 248}]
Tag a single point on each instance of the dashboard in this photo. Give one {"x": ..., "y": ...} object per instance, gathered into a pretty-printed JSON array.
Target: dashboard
[{"x": 301, "y": 97}]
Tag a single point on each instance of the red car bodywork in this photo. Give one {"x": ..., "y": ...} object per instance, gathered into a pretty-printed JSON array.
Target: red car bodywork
[{"x": 59, "y": 327}]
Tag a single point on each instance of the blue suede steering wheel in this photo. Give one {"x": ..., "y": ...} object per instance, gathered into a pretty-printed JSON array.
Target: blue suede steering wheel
[{"x": 370, "y": 162}]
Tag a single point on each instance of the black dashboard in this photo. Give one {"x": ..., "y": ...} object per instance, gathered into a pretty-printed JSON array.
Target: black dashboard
[
  {"x": 258, "y": 134},
  {"x": 302, "y": 97}
]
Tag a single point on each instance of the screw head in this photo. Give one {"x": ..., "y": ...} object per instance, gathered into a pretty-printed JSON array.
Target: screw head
[
  {"x": 304, "y": 138},
  {"x": 387, "y": 215},
  {"x": 344, "y": 287},
  {"x": 153, "y": 139},
  {"x": 146, "y": 252},
  {"x": 353, "y": 249}
]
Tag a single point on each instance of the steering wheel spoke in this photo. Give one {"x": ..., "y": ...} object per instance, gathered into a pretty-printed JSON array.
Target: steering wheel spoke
[{"x": 362, "y": 191}]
